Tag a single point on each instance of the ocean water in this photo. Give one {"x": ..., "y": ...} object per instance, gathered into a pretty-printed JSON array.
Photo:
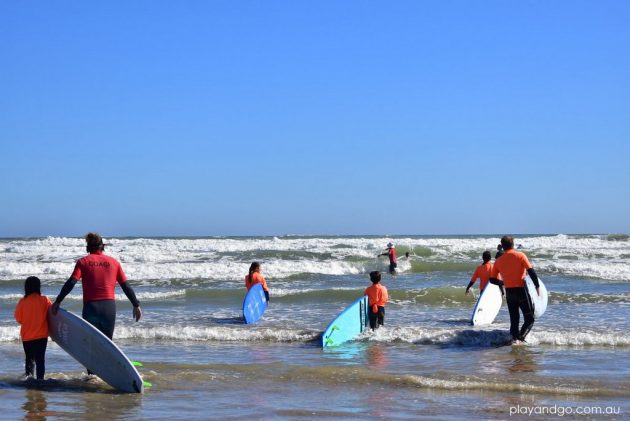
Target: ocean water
[{"x": 427, "y": 362}]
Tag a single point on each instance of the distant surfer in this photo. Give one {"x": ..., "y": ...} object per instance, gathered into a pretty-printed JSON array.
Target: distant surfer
[
  {"x": 499, "y": 252},
  {"x": 377, "y": 298},
  {"x": 512, "y": 266},
  {"x": 482, "y": 273},
  {"x": 391, "y": 253},
  {"x": 31, "y": 312},
  {"x": 254, "y": 277},
  {"x": 99, "y": 274}
]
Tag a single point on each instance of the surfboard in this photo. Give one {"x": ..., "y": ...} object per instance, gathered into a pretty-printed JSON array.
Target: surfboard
[
  {"x": 94, "y": 350},
  {"x": 540, "y": 302},
  {"x": 488, "y": 305},
  {"x": 348, "y": 324},
  {"x": 254, "y": 304}
]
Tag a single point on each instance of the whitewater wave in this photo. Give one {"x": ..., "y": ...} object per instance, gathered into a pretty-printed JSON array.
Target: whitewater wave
[{"x": 594, "y": 256}]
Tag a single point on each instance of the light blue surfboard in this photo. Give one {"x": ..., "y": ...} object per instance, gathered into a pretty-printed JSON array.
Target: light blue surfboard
[
  {"x": 348, "y": 324},
  {"x": 254, "y": 304},
  {"x": 95, "y": 351}
]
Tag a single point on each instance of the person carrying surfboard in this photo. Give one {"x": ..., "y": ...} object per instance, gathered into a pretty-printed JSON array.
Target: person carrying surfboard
[
  {"x": 512, "y": 266},
  {"x": 99, "y": 274},
  {"x": 377, "y": 298},
  {"x": 254, "y": 277},
  {"x": 482, "y": 273},
  {"x": 391, "y": 253},
  {"x": 30, "y": 313}
]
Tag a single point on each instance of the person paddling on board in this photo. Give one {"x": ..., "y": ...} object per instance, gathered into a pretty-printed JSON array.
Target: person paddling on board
[
  {"x": 512, "y": 266},
  {"x": 482, "y": 273},
  {"x": 99, "y": 274},
  {"x": 254, "y": 277},
  {"x": 391, "y": 253},
  {"x": 377, "y": 298}
]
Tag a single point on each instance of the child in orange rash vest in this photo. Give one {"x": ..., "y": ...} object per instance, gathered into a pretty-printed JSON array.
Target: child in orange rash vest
[
  {"x": 31, "y": 312},
  {"x": 377, "y": 298}
]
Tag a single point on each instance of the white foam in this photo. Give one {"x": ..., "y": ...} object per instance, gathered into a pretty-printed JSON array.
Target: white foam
[
  {"x": 476, "y": 337},
  {"x": 53, "y": 258},
  {"x": 215, "y": 333}
]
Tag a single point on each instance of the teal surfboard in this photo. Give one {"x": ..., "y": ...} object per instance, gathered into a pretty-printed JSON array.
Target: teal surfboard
[
  {"x": 348, "y": 324},
  {"x": 254, "y": 304}
]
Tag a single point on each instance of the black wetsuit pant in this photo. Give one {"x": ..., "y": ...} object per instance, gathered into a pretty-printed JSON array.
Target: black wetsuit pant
[
  {"x": 518, "y": 299},
  {"x": 35, "y": 351},
  {"x": 392, "y": 267},
  {"x": 376, "y": 319},
  {"x": 102, "y": 315}
]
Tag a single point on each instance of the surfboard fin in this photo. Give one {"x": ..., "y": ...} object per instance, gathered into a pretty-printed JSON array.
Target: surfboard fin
[
  {"x": 146, "y": 384},
  {"x": 137, "y": 364}
]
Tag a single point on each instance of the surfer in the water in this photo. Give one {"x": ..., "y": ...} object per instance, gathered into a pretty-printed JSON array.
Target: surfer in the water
[
  {"x": 391, "y": 253},
  {"x": 99, "y": 274},
  {"x": 513, "y": 266},
  {"x": 30, "y": 313},
  {"x": 499, "y": 252},
  {"x": 254, "y": 277},
  {"x": 377, "y": 298},
  {"x": 482, "y": 273}
]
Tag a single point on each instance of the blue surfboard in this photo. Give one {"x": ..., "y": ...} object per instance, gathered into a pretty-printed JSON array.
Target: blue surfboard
[
  {"x": 348, "y": 324},
  {"x": 254, "y": 304}
]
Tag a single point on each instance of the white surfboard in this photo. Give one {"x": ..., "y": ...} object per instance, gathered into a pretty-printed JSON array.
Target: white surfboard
[
  {"x": 488, "y": 306},
  {"x": 94, "y": 350},
  {"x": 539, "y": 301}
]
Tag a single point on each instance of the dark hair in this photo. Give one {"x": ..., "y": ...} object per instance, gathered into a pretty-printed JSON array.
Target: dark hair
[
  {"x": 375, "y": 276},
  {"x": 253, "y": 268},
  {"x": 507, "y": 241},
  {"x": 486, "y": 256},
  {"x": 94, "y": 242},
  {"x": 31, "y": 285}
]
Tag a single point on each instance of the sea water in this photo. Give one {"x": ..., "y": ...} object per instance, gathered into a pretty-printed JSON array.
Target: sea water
[{"x": 427, "y": 362}]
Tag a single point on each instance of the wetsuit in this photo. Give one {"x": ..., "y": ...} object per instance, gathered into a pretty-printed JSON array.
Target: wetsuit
[
  {"x": 257, "y": 278},
  {"x": 99, "y": 274},
  {"x": 377, "y": 298},
  {"x": 513, "y": 266},
  {"x": 393, "y": 263},
  {"x": 31, "y": 312},
  {"x": 483, "y": 274}
]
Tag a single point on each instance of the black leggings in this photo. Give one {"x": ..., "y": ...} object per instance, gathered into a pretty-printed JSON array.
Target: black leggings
[
  {"x": 35, "y": 351},
  {"x": 518, "y": 299},
  {"x": 102, "y": 315},
  {"x": 376, "y": 319}
]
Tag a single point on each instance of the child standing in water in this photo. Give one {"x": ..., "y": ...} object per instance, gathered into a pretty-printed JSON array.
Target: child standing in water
[
  {"x": 31, "y": 312},
  {"x": 482, "y": 273},
  {"x": 377, "y": 298},
  {"x": 254, "y": 277}
]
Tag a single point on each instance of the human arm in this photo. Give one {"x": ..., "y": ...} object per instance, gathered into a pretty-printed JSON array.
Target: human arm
[
  {"x": 532, "y": 274},
  {"x": 131, "y": 296},
  {"x": 497, "y": 282},
  {"x": 65, "y": 290},
  {"x": 18, "y": 312},
  {"x": 473, "y": 278}
]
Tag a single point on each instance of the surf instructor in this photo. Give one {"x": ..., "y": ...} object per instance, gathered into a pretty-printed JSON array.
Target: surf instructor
[
  {"x": 513, "y": 267},
  {"x": 99, "y": 274}
]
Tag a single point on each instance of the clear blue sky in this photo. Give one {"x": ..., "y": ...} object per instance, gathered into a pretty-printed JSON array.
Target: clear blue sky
[{"x": 322, "y": 117}]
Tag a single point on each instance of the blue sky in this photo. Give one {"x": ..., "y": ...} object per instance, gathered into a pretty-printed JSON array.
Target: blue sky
[{"x": 293, "y": 117}]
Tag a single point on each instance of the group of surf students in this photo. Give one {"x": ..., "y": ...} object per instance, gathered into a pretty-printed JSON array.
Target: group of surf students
[
  {"x": 508, "y": 272},
  {"x": 100, "y": 273}
]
